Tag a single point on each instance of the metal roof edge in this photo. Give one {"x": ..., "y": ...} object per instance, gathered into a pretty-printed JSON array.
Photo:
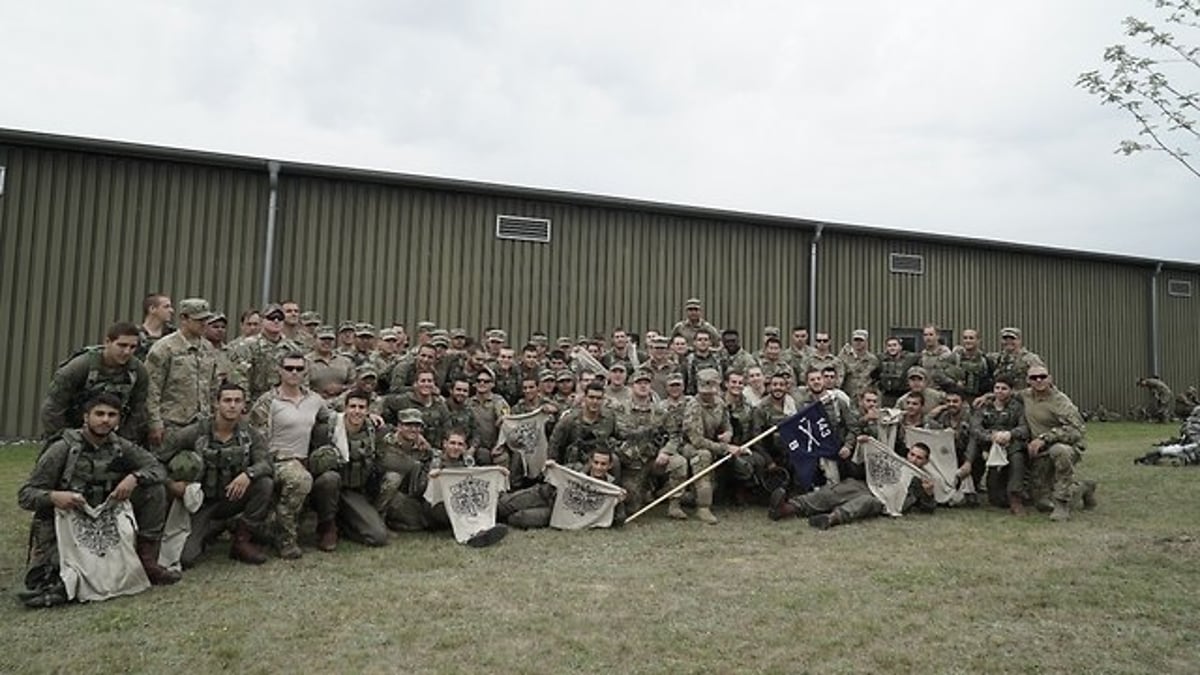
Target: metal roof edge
[{"x": 142, "y": 150}]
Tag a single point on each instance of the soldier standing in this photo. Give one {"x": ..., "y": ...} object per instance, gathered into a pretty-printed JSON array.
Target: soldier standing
[
  {"x": 859, "y": 364},
  {"x": 110, "y": 368},
  {"x": 182, "y": 373}
]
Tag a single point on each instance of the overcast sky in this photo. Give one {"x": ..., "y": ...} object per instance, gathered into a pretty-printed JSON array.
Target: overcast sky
[{"x": 947, "y": 116}]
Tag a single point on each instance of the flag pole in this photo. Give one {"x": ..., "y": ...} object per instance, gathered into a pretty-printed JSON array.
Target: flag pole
[{"x": 679, "y": 488}]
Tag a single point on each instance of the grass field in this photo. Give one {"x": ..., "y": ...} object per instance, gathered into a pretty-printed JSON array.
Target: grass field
[{"x": 1116, "y": 590}]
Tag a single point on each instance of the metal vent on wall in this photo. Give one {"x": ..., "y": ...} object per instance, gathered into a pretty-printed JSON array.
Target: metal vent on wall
[
  {"x": 1179, "y": 288},
  {"x": 906, "y": 263},
  {"x": 521, "y": 228}
]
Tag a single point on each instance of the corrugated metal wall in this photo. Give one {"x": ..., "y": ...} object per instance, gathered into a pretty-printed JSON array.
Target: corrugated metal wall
[
  {"x": 85, "y": 237},
  {"x": 1088, "y": 319},
  {"x": 1179, "y": 342},
  {"x": 386, "y": 253},
  {"x": 86, "y": 234}
]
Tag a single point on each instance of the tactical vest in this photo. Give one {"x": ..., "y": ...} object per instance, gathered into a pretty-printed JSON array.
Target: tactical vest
[
  {"x": 974, "y": 373},
  {"x": 97, "y": 383},
  {"x": 893, "y": 374},
  {"x": 357, "y": 471},
  {"x": 222, "y": 463},
  {"x": 94, "y": 473}
]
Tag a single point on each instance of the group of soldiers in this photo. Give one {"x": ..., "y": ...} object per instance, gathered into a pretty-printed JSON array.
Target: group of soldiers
[{"x": 351, "y": 422}]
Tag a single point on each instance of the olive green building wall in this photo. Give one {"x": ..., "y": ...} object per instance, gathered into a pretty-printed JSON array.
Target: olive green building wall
[
  {"x": 1088, "y": 319},
  {"x": 88, "y": 227}
]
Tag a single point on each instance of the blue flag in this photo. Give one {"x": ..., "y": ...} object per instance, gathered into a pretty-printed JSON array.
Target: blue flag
[{"x": 808, "y": 436}]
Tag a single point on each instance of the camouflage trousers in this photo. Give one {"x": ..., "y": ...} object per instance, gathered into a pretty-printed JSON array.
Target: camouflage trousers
[
  {"x": 850, "y": 499},
  {"x": 1053, "y": 472},
  {"x": 294, "y": 483}
]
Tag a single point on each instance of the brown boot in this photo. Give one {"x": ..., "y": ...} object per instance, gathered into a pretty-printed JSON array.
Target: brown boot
[
  {"x": 243, "y": 548},
  {"x": 673, "y": 510},
  {"x": 327, "y": 535},
  {"x": 1015, "y": 505},
  {"x": 147, "y": 552}
]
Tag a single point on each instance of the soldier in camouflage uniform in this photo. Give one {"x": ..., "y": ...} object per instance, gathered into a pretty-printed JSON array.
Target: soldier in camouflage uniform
[
  {"x": 1013, "y": 359},
  {"x": 821, "y": 357},
  {"x": 365, "y": 336},
  {"x": 425, "y": 400},
  {"x": 1160, "y": 409},
  {"x": 774, "y": 408},
  {"x": 707, "y": 433},
  {"x": 952, "y": 414},
  {"x": 460, "y": 416},
  {"x": 660, "y": 365},
  {"x": 156, "y": 323},
  {"x": 639, "y": 426},
  {"x": 286, "y": 416},
  {"x": 771, "y": 361},
  {"x": 937, "y": 359},
  {"x": 693, "y": 322},
  {"x": 87, "y": 466},
  {"x": 894, "y": 365},
  {"x": 404, "y": 374},
  {"x": 732, "y": 356},
  {"x": 406, "y": 453},
  {"x": 616, "y": 393},
  {"x": 590, "y": 422},
  {"x": 840, "y": 416},
  {"x": 258, "y": 358},
  {"x": 622, "y": 352},
  {"x": 354, "y": 502},
  {"x": 999, "y": 426},
  {"x": 182, "y": 373},
  {"x": 110, "y": 368},
  {"x": 238, "y": 479},
  {"x": 918, "y": 381},
  {"x": 345, "y": 339},
  {"x": 702, "y": 357},
  {"x": 251, "y": 324},
  {"x": 307, "y": 335},
  {"x": 1057, "y": 443},
  {"x": 670, "y": 456},
  {"x": 859, "y": 364},
  {"x": 488, "y": 408},
  {"x": 508, "y": 376},
  {"x": 329, "y": 373},
  {"x": 975, "y": 371},
  {"x": 387, "y": 353}
]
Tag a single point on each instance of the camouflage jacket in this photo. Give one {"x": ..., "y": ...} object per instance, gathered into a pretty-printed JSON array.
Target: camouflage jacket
[
  {"x": 83, "y": 377},
  {"x": 257, "y": 360},
  {"x": 182, "y": 378},
  {"x": 72, "y": 463},
  {"x": 703, "y": 422}
]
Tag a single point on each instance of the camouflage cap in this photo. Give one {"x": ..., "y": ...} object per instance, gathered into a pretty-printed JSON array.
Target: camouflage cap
[
  {"x": 346, "y": 326},
  {"x": 564, "y": 375},
  {"x": 310, "y": 318},
  {"x": 365, "y": 329},
  {"x": 660, "y": 341},
  {"x": 389, "y": 334},
  {"x": 1010, "y": 332},
  {"x": 186, "y": 466},
  {"x": 323, "y": 459},
  {"x": 425, "y": 326},
  {"x": 708, "y": 378},
  {"x": 217, "y": 317},
  {"x": 497, "y": 335},
  {"x": 564, "y": 341},
  {"x": 273, "y": 308},
  {"x": 546, "y": 375},
  {"x": 325, "y": 331},
  {"x": 365, "y": 371},
  {"x": 771, "y": 331},
  {"x": 618, "y": 365},
  {"x": 410, "y": 416},
  {"x": 642, "y": 375},
  {"x": 918, "y": 371},
  {"x": 538, "y": 339},
  {"x": 457, "y": 333},
  {"x": 440, "y": 341},
  {"x": 582, "y": 339},
  {"x": 675, "y": 378},
  {"x": 195, "y": 308},
  {"x": 692, "y": 303},
  {"x": 860, "y": 334}
]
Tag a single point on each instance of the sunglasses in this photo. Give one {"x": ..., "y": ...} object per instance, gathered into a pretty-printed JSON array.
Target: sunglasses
[
  {"x": 823, "y": 340},
  {"x": 275, "y": 317},
  {"x": 1037, "y": 378},
  {"x": 293, "y": 369},
  {"x": 483, "y": 380}
]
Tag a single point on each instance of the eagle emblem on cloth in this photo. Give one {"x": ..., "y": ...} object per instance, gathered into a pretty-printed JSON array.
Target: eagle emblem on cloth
[
  {"x": 98, "y": 531},
  {"x": 582, "y": 499}
]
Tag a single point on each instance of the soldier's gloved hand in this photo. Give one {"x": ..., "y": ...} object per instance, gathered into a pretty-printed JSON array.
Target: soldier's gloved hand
[
  {"x": 124, "y": 489},
  {"x": 67, "y": 501}
]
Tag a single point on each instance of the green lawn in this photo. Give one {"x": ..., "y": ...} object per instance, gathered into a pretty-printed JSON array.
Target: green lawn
[{"x": 1113, "y": 590}]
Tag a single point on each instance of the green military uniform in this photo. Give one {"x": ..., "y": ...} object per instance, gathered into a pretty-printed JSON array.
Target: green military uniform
[
  {"x": 488, "y": 413},
  {"x": 257, "y": 360},
  {"x": 975, "y": 372},
  {"x": 1004, "y": 481},
  {"x": 639, "y": 426},
  {"x": 83, "y": 377},
  {"x": 1054, "y": 419},
  {"x": 703, "y": 422},
  {"x": 361, "y": 491},
  {"x": 574, "y": 431},
  {"x": 1160, "y": 410},
  {"x": 324, "y": 371},
  {"x": 71, "y": 463},
  {"x": 183, "y": 378},
  {"x": 852, "y": 500},
  {"x": 861, "y": 372},
  {"x": 434, "y": 413},
  {"x": 697, "y": 362},
  {"x": 243, "y": 452},
  {"x": 942, "y": 365},
  {"x": 818, "y": 362},
  {"x": 740, "y": 361},
  {"x": 893, "y": 377}
]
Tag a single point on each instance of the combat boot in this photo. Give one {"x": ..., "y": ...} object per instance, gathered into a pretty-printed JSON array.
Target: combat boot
[
  {"x": 288, "y": 548},
  {"x": 1062, "y": 511},
  {"x": 243, "y": 548},
  {"x": 1015, "y": 505},
  {"x": 704, "y": 499},
  {"x": 674, "y": 510},
  {"x": 147, "y": 552},
  {"x": 327, "y": 535},
  {"x": 780, "y": 507},
  {"x": 1089, "y": 494}
]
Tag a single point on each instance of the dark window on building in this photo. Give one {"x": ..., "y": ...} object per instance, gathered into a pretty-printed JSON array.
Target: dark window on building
[
  {"x": 906, "y": 263},
  {"x": 1179, "y": 288},
  {"x": 913, "y": 341},
  {"x": 521, "y": 228}
]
